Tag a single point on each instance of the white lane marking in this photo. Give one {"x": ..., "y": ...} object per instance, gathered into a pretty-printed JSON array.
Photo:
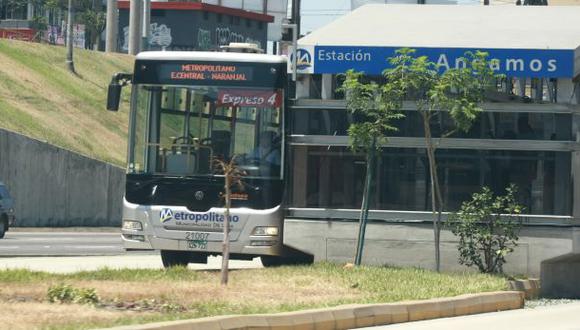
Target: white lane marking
[
  {"x": 9, "y": 247},
  {"x": 52, "y": 233},
  {"x": 44, "y": 239}
]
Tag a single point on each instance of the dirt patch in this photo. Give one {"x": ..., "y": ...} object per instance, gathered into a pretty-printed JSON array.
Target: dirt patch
[{"x": 34, "y": 315}]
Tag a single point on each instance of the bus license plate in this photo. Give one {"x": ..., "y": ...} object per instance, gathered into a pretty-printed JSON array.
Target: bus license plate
[{"x": 196, "y": 241}]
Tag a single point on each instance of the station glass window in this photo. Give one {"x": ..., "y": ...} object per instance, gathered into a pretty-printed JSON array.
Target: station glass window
[
  {"x": 333, "y": 177},
  {"x": 490, "y": 125}
]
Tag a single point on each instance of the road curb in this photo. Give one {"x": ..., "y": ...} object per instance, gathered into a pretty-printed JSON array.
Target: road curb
[
  {"x": 530, "y": 287},
  {"x": 351, "y": 316}
]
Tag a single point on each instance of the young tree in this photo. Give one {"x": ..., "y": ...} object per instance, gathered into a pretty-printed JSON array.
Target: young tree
[
  {"x": 69, "y": 39},
  {"x": 487, "y": 227},
  {"x": 378, "y": 105},
  {"x": 457, "y": 92},
  {"x": 232, "y": 176}
]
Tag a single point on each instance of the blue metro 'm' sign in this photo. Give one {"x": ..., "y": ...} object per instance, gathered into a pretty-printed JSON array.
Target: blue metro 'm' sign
[{"x": 545, "y": 63}]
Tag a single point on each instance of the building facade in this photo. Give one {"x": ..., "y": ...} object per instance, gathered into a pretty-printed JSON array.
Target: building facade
[
  {"x": 196, "y": 26},
  {"x": 527, "y": 135}
]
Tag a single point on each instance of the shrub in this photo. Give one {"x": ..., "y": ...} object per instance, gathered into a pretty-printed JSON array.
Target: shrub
[
  {"x": 487, "y": 227},
  {"x": 61, "y": 293},
  {"x": 66, "y": 294}
]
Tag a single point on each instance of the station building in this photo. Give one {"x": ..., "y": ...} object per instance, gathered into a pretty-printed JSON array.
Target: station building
[{"x": 527, "y": 135}]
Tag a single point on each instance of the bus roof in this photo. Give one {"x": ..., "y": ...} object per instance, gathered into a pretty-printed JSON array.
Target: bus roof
[{"x": 210, "y": 56}]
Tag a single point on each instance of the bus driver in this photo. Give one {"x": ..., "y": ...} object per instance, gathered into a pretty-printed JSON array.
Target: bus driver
[{"x": 267, "y": 153}]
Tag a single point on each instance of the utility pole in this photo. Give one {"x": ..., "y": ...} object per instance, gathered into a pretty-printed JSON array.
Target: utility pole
[
  {"x": 296, "y": 15},
  {"x": 146, "y": 24},
  {"x": 112, "y": 26},
  {"x": 70, "y": 65},
  {"x": 135, "y": 28}
]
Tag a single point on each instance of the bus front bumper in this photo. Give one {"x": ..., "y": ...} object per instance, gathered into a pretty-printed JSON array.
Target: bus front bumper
[{"x": 256, "y": 246}]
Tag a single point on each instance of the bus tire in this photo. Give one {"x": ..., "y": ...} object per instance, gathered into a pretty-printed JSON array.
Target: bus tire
[{"x": 175, "y": 258}]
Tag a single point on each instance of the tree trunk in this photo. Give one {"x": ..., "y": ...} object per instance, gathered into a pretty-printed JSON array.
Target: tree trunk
[
  {"x": 69, "y": 39},
  {"x": 226, "y": 240},
  {"x": 436, "y": 200},
  {"x": 364, "y": 212}
]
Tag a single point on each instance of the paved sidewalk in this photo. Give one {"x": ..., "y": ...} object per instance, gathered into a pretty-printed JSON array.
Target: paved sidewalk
[
  {"x": 566, "y": 316},
  {"x": 88, "y": 263}
]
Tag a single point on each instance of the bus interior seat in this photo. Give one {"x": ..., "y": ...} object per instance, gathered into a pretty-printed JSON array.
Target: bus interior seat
[
  {"x": 181, "y": 164},
  {"x": 182, "y": 158}
]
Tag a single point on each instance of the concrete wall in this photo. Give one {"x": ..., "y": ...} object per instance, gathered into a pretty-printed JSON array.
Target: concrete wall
[
  {"x": 56, "y": 187},
  {"x": 411, "y": 244}
]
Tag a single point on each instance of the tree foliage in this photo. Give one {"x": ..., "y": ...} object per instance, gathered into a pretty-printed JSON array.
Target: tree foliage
[
  {"x": 377, "y": 105},
  {"x": 487, "y": 227},
  {"x": 460, "y": 91}
]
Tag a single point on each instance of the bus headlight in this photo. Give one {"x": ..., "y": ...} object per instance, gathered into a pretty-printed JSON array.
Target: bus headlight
[
  {"x": 265, "y": 231},
  {"x": 132, "y": 225},
  {"x": 263, "y": 243}
]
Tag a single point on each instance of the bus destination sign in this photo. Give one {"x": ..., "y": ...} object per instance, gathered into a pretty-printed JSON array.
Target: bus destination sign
[
  {"x": 211, "y": 72},
  {"x": 208, "y": 73}
]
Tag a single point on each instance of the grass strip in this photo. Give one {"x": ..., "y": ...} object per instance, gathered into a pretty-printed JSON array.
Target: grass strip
[{"x": 131, "y": 296}]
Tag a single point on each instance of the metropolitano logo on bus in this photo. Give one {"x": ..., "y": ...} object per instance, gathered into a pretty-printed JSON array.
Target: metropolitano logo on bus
[
  {"x": 165, "y": 215},
  {"x": 198, "y": 219}
]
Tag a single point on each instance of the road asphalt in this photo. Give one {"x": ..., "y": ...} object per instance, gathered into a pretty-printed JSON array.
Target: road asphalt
[
  {"x": 66, "y": 250},
  {"x": 60, "y": 243}
]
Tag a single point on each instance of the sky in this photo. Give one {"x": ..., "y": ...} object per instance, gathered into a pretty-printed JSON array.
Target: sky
[{"x": 317, "y": 13}]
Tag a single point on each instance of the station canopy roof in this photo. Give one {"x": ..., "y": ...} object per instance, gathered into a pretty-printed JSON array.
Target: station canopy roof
[{"x": 531, "y": 41}]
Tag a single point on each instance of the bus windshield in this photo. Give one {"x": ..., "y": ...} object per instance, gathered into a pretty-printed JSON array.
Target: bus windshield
[{"x": 183, "y": 130}]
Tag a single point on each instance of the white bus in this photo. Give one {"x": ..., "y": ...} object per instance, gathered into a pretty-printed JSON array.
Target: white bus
[{"x": 188, "y": 109}]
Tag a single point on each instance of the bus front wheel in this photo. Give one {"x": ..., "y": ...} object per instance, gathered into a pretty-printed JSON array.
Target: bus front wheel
[{"x": 174, "y": 258}]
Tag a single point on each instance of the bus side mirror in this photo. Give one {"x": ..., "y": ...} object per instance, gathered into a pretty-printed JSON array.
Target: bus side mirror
[
  {"x": 114, "y": 96},
  {"x": 114, "y": 92}
]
